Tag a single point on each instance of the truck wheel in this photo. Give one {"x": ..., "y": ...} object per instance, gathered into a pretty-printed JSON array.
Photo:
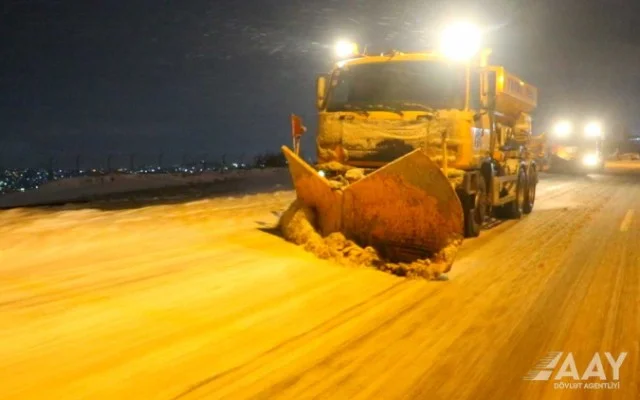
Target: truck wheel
[
  {"x": 530, "y": 194},
  {"x": 475, "y": 210},
  {"x": 514, "y": 209}
]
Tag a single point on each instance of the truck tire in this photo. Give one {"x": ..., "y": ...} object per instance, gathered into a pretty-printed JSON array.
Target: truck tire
[
  {"x": 530, "y": 193},
  {"x": 475, "y": 209},
  {"x": 514, "y": 209}
]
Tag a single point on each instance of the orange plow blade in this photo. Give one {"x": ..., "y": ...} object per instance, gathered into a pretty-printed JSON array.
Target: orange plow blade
[
  {"x": 316, "y": 193},
  {"x": 406, "y": 210}
]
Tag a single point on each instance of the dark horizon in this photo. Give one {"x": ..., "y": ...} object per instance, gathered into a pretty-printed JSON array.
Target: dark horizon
[{"x": 201, "y": 77}]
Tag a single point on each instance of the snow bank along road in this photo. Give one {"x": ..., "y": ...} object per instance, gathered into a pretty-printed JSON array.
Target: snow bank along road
[
  {"x": 200, "y": 300},
  {"x": 121, "y": 186}
]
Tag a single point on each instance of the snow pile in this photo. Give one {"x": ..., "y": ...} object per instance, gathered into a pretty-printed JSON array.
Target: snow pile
[
  {"x": 456, "y": 176},
  {"x": 297, "y": 225}
]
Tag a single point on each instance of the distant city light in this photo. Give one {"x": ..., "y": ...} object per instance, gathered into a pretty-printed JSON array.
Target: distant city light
[{"x": 23, "y": 180}]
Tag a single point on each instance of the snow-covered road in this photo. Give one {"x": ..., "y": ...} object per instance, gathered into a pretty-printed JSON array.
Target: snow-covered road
[{"x": 203, "y": 300}]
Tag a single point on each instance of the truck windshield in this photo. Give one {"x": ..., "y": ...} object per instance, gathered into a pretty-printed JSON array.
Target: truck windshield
[{"x": 397, "y": 85}]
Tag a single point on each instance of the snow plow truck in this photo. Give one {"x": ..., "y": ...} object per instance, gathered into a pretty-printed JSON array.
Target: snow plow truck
[
  {"x": 416, "y": 150},
  {"x": 576, "y": 151},
  {"x": 568, "y": 150}
]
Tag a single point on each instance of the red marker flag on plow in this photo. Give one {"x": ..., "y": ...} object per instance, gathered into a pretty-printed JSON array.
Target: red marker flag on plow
[{"x": 297, "y": 130}]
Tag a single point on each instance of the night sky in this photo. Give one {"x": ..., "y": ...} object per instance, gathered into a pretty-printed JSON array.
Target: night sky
[{"x": 213, "y": 77}]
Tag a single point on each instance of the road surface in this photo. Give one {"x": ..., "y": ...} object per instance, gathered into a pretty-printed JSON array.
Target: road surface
[{"x": 202, "y": 300}]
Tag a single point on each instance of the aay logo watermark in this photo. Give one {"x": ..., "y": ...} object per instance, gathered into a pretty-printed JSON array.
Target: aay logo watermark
[{"x": 544, "y": 371}]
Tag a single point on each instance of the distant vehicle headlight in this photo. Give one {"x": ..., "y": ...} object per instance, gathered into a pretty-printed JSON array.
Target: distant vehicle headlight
[
  {"x": 593, "y": 130},
  {"x": 590, "y": 160},
  {"x": 563, "y": 129}
]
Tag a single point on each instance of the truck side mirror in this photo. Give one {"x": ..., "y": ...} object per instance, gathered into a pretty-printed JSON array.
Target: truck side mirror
[{"x": 321, "y": 90}]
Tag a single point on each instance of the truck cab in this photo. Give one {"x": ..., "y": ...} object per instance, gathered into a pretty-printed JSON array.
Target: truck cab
[{"x": 374, "y": 109}]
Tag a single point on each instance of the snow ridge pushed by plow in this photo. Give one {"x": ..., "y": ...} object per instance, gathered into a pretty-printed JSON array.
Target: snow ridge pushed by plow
[{"x": 297, "y": 225}]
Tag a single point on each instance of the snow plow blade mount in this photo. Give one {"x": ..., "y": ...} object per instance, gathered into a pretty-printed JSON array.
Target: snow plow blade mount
[{"x": 406, "y": 210}]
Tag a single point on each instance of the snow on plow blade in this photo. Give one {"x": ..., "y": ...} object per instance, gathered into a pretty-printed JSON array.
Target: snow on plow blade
[{"x": 406, "y": 210}]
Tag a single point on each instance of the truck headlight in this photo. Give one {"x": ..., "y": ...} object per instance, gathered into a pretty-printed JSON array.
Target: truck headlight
[
  {"x": 461, "y": 41},
  {"x": 563, "y": 129},
  {"x": 344, "y": 49},
  {"x": 590, "y": 160},
  {"x": 593, "y": 130}
]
